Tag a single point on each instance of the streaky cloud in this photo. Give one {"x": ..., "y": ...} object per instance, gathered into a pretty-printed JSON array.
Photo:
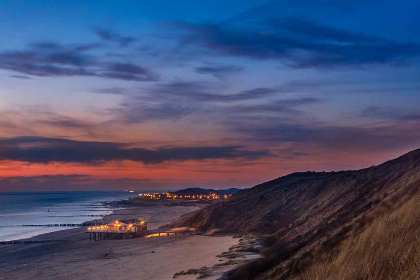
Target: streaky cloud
[
  {"x": 46, "y": 150},
  {"x": 218, "y": 71},
  {"x": 67, "y": 182},
  {"x": 112, "y": 36},
  {"x": 297, "y": 43},
  {"x": 56, "y": 60},
  {"x": 398, "y": 114}
]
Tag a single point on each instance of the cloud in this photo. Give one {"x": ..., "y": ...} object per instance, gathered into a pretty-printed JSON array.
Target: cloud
[
  {"x": 330, "y": 137},
  {"x": 113, "y": 90},
  {"x": 390, "y": 114},
  {"x": 201, "y": 91},
  {"x": 41, "y": 119},
  {"x": 55, "y": 60},
  {"x": 111, "y": 36},
  {"x": 218, "y": 71},
  {"x": 64, "y": 121},
  {"x": 129, "y": 72},
  {"x": 298, "y": 43},
  {"x": 300, "y": 154},
  {"x": 46, "y": 150},
  {"x": 7, "y": 125},
  {"x": 136, "y": 110},
  {"x": 307, "y": 8},
  {"x": 68, "y": 182},
  {"x": 20, "y": 77},
  {"x": 279, "y": 106},
  {"x": 177, "y": 99}
]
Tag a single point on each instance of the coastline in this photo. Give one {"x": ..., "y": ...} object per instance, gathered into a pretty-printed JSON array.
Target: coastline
[
  {"x": 123, "y": 209},
  {"x": 53, "y": 211},
  {"x": 72, "y": 255}
]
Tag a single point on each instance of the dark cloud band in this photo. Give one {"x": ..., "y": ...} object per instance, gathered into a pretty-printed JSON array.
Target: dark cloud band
[
  {"x": 55, "y": 60},
  {"x": 46, "y": 150},
  {"x": 68, "y": 182},
  {"x": 296, "y": 42}
]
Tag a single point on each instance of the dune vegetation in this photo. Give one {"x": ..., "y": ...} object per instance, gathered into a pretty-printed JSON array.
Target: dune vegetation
[
  {"x": 352, "y": 225},
  {"x": 389, "y": 248}
]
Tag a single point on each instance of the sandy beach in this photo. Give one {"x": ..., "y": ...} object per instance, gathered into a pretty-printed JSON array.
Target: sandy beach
[{"x": 75, "y": 257}]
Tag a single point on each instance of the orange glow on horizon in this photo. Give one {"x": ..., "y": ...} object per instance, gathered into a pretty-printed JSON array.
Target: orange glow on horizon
[{"x": 211, "y": 172}]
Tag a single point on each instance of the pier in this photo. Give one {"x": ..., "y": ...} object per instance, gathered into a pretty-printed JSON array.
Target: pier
[
  {"x": 131, "y": 229},
  {"x": 118, "y": 230}
]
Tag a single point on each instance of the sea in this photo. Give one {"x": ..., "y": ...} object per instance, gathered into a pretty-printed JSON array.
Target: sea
[{"x": 26, "y": 214}]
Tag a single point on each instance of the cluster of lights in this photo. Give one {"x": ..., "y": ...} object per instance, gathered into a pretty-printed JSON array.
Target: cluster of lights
[
  {"x": 158, "y": 196},
  {"x": 114, "y": 227},
  {"x": 152, "y": 195},
  {"x": 98, "y": 228}
]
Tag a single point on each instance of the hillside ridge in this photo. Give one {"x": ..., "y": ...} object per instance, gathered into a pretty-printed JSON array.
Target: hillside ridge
[{"x": 295, "y": 212}]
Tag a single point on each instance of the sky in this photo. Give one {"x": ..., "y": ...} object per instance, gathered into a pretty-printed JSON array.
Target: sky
[{"x": 107, "y": 95}]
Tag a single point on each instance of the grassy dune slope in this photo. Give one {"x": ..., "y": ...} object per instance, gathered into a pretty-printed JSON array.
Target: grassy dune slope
[
  {"x": 389, "y": 248},
  {"x": 303, "y": 214}
]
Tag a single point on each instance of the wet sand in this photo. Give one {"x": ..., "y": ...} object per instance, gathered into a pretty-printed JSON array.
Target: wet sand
[{"x": 75, "y": 257}]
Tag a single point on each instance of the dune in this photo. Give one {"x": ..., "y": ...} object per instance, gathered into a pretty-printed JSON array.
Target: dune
[{"x": 303, "y": 215}]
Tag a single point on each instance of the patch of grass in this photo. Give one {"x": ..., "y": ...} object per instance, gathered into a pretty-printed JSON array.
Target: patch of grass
[
  {"x": 250, "y": 249},
  {"x": 201, "y": 271},
  {"x": 389, "y": 248},
  {"x": 222, "y": 255}
]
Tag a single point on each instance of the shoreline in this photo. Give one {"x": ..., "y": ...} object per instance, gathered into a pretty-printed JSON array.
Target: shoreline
[
  {"x": 30, "y": 229},
  {"x": 113, "y": 206},
  {"x": 70, "y": 254},
  {"x": 119, "y": 213}
]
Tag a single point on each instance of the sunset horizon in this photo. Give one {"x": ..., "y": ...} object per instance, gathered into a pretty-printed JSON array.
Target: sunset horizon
[
  {"x": 132, "y": 95},
  {"x": 209, "y": 140}
]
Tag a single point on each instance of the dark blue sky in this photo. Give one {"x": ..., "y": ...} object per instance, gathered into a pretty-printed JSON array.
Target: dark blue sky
[{"x": 210, "y": 93}]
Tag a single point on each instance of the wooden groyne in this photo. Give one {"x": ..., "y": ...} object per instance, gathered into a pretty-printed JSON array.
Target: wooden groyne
[
  {"x": 85, "y": 224},
  {"x": 28, "y": 241},
  {"x": 54, "y": 225}
]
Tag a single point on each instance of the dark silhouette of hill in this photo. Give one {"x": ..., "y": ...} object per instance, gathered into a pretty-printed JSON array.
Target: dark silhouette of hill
[
  {"x": 201, "y": 191},
  {"x": 302, "y": 214}
]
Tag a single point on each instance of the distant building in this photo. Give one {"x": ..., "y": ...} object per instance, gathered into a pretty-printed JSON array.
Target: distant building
[{"x": 118, "y": 230}]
